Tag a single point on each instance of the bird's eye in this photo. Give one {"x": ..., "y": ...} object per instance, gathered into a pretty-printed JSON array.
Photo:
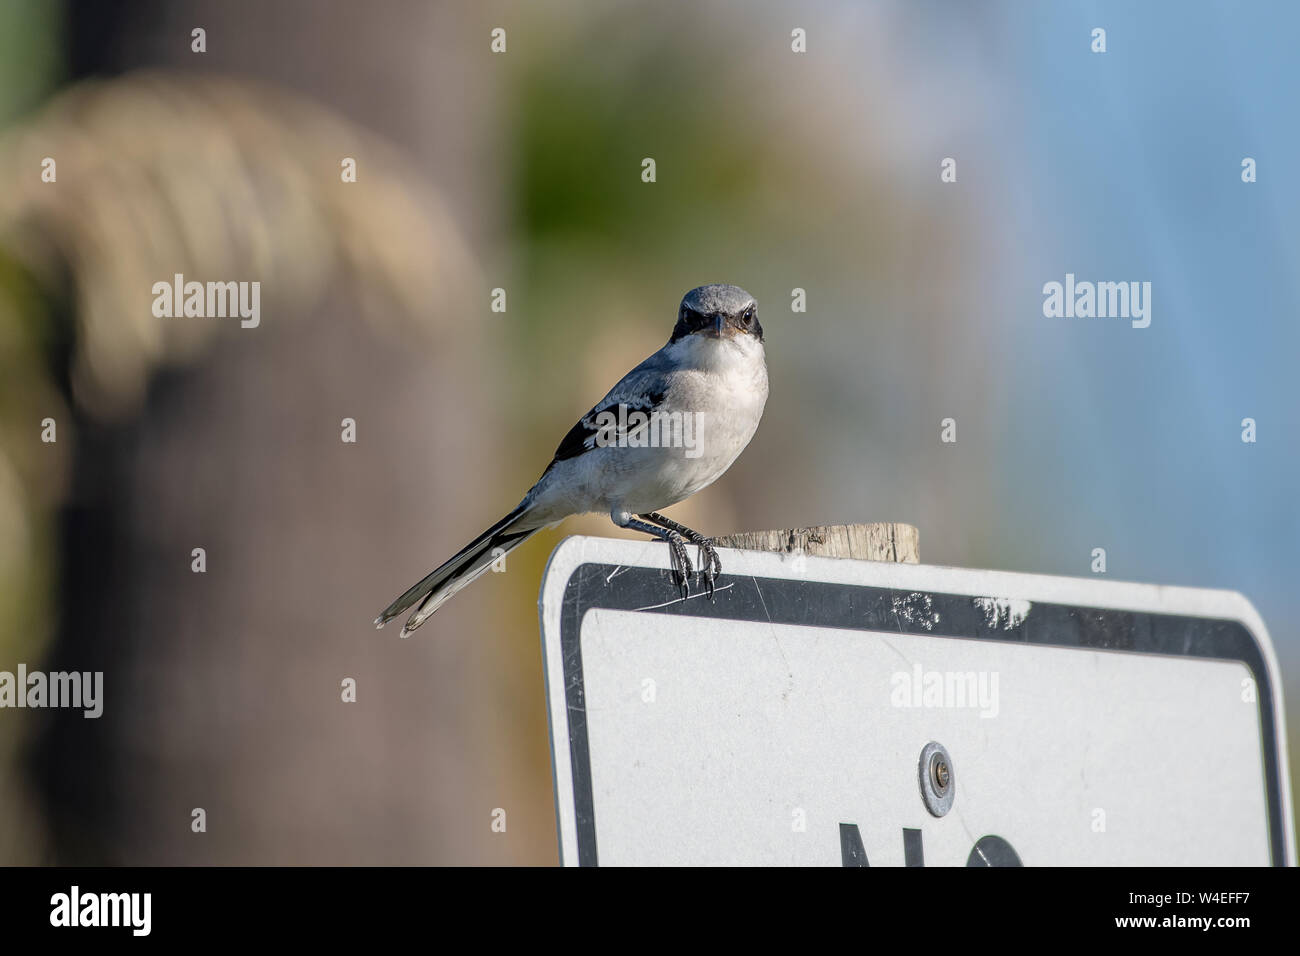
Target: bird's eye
[{"x": 749, "y": 315}]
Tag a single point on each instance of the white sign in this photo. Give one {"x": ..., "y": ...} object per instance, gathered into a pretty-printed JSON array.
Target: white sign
[{"x": 835, "y": 712}]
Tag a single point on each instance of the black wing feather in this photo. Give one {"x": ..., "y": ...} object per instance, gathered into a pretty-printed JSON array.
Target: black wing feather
[{"x": 582, "y": 436}]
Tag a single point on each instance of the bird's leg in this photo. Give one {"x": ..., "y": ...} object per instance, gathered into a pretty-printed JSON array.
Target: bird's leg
[
  {"x": 710, "y": 565},
  {"x": 681, "y": 561}
]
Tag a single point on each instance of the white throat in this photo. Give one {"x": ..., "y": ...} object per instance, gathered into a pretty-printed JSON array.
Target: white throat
[{"x": 707, "y": 353}]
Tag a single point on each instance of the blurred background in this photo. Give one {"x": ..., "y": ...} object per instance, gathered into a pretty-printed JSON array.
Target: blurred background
[{"x": 522, "y": 171}]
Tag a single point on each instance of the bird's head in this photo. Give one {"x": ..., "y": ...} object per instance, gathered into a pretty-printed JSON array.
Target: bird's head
[{"x": 717, "y": 311}]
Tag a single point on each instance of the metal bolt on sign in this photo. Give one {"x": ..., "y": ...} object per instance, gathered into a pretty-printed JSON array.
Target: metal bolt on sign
[{"x": 938, "y": 778}]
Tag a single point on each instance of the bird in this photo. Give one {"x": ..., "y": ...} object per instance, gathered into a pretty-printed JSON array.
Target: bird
[{"x": 670, "y": 427}]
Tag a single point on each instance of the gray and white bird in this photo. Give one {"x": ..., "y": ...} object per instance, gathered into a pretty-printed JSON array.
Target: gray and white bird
[{"x": 670, "y": 427}]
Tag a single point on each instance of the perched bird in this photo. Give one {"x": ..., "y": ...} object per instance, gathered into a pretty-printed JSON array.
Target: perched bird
[{"x": 672, "y": 426}]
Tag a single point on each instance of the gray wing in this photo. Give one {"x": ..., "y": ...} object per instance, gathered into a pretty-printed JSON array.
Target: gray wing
[{"x": 643, "y": 389}]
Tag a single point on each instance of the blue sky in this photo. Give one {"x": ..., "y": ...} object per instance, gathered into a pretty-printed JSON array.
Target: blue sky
[{"x": 1130, "y": 163}]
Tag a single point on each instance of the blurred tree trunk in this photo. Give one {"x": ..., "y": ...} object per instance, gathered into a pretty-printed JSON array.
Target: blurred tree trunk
[{"x": 223, "y": 689}]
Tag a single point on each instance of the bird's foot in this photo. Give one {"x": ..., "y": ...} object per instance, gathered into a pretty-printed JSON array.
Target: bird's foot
[
  {"x": 710, "y": 565},
  {"x": 681, "y": 563}
]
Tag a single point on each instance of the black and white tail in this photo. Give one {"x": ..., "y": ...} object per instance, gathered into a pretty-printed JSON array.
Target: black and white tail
[{"x": 438, "y": 586}]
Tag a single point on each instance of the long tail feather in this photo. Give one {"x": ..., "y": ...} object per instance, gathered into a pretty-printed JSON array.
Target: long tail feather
[{"x": 437, "y": 587}]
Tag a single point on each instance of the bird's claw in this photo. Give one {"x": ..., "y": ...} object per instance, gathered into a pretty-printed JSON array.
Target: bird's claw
[
  {"x": 710, "y": 565},
  {"x": 681, "y": 562},
  {"x": 709, "y": 579}
]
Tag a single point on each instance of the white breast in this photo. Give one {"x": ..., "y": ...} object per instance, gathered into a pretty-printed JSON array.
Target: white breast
[
  {"x": 720, "y": 385},
  {"x": 723, "y": 384}
]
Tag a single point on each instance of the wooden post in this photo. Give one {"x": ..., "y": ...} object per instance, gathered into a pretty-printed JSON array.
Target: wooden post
[{"x": 880, "y": 541}]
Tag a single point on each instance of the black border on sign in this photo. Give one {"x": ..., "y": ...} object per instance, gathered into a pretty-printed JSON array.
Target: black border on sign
[{"x": 865, "y": 608}]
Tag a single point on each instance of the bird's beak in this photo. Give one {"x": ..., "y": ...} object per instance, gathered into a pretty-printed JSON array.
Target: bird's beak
[{"x": 719, "y": 323}]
